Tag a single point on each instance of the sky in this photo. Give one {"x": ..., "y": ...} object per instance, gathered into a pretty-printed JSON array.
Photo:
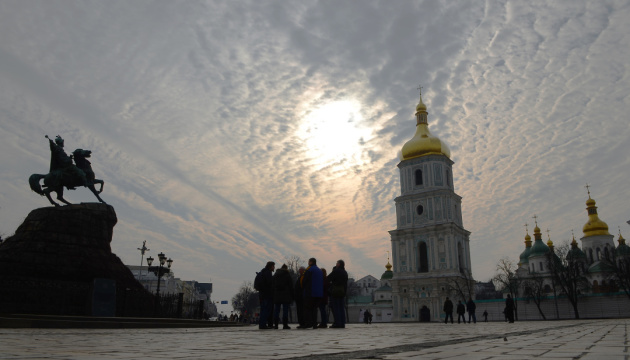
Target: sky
[{"x": 230, "y": 133}]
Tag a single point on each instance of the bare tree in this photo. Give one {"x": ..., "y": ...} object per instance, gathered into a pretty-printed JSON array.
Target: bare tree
[
  {"x": 618, "y": 267},
  {"x": 294, "y": 263},
  {"x": 506, "y": 280},
  {"x": 569, "y": 274},
  {"x": 462, "y": 286},
  {"x": 535, "y": 290},
  {"x": 246, "y": 299}
]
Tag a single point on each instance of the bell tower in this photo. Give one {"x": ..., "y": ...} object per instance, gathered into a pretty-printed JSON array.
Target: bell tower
[{"x": 430, "y": 246}]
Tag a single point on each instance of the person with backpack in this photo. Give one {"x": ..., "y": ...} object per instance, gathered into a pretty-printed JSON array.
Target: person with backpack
[
  {"x": 263, "y": 283},
  {"x": 282, "y": 296}
]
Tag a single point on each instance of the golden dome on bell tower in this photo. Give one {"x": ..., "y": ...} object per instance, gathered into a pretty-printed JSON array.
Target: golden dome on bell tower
[
  {"x": 423, "y": 142},
  {"x": 594, "y": 226}
]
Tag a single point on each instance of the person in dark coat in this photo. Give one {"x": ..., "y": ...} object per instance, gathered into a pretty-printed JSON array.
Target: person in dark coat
[
  {"x": 265, "y": 294},
  {"x": 471, "y": 307},
  {"x": 461, "y": 310},
  {"x": 448, "y": 310},
  {"x": 509, "y": 308},
  {"x": 338, "y": 279},
  {"x": 282, "y": 296},
  {"x": 298, "y": 296},
  {"x": 485, "y": 316},
  {"x": 313, "y": 285}
]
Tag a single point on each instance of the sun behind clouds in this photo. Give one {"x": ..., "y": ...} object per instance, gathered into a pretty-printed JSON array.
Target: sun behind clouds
[{"x": 333, "y": 132}]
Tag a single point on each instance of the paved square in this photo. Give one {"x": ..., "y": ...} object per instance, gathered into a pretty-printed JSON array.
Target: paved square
[{"x": 573, "y": 339}]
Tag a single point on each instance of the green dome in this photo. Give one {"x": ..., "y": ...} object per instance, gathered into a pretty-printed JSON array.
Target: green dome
[
  {"x": 539, "y": 248},
  {"x": 622, "y": 250},
  {"x": 388, "y": 274},
  {"x": 525, "y": 255}
]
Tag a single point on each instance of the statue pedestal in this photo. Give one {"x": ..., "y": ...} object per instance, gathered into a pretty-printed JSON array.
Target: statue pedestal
[{"x": 50, "y": 264}]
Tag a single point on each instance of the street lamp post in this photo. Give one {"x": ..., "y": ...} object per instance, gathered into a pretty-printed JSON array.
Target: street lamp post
[{"x": 159, "y": 271}]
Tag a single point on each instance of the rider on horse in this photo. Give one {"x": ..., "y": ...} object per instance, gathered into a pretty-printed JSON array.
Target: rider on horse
[{"x": 61, "y": 165}]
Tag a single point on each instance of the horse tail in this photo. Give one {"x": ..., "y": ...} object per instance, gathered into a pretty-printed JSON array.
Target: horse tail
[{"x": 34, "y": 182}]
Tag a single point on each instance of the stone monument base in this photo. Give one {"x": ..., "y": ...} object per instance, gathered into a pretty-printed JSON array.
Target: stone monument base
[{"x": 50, "y": 265}]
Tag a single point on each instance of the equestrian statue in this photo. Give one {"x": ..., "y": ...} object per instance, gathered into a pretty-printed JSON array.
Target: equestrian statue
[{"x": 64, "y": 173}]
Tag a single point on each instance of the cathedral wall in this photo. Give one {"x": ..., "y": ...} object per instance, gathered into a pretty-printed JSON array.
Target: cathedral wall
[{"x": 592, "y": 243}]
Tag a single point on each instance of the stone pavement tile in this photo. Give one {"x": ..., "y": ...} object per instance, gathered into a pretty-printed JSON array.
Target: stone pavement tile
[
  {"x": 527, "y": 352},
  {"x": 562, "y": 355},
  {"x": 599, "y": 357}
]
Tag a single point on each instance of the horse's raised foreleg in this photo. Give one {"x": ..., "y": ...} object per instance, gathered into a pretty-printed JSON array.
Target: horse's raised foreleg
[
  {"x": 99, "y": 181},
  {"x": 93, "y": 189},
  {"x": 60, "y": 196}
]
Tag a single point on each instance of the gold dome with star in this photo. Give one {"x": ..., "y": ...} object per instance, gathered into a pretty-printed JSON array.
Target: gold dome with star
[{"x": 423, "y": 142}]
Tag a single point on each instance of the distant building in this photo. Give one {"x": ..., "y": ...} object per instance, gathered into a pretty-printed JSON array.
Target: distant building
[
  {"x": 193, "y": 291},
  {"x": 369, "y": 293},
  {"x": 597, "y": 249}
]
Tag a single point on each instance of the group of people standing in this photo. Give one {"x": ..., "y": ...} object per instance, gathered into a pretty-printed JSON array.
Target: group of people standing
[
  {"x": 461, "y": 311},
  {"x": 312, "y": 291}
]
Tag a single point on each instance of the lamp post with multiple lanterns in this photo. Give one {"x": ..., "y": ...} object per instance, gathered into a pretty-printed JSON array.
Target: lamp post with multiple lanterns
[{"x": 160, "y": 270}]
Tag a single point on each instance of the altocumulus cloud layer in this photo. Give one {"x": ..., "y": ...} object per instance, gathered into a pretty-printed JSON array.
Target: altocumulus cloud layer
[{"x": 216, "y": 124}]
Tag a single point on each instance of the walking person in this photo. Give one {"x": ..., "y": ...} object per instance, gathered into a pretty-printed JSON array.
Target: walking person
[
  {"x": 338, "y": 280},
  {"x": 264, "y": 284},
  {"x": 485, "y": 316},
  {"x": 461, "y": 310},
  {"x": 448, "y": 310},
  {"x": 313, "y": 285},
  {"x": 282, "y": 296},
  {"x": 471, "y": 307}
]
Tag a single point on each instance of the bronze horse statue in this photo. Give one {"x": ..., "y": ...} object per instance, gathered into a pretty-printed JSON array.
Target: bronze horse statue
[{"x": 56, "y": 179}]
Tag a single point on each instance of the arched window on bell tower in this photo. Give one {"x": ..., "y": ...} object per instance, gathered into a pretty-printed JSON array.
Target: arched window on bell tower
[
  {"x": 418, "y": 177},
  {"x": 423, "y": 257}
]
